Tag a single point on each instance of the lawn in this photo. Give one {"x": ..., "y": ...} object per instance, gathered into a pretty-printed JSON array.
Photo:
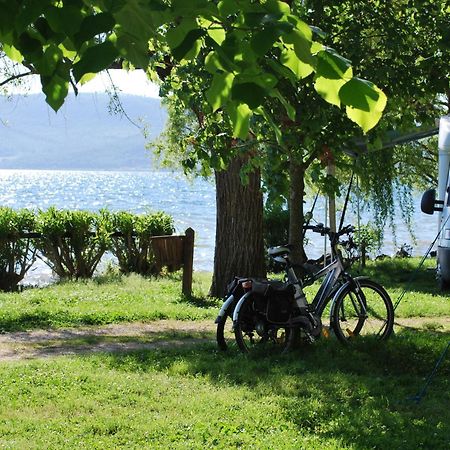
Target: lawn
[
  {"x": 322, "y": 396},
  {"x": 104, "y": 300}
]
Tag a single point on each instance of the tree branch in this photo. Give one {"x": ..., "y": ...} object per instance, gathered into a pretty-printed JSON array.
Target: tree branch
[{"x": 16, "y": 77}]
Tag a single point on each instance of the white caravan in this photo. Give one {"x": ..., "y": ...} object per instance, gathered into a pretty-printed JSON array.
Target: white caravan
[{"x": 440, "y": 202}]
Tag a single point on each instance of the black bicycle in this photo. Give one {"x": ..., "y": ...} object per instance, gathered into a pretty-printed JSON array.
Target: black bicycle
[{"x": 270, "y": 315}]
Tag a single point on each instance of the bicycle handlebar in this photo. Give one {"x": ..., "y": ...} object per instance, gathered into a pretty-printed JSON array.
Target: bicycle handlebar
[{"x": 322, "y": 230}]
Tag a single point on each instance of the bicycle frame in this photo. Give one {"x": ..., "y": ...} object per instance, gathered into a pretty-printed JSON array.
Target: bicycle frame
[
  {"x": 332, "y": 273},
  {"x": 327, "y": 290}
]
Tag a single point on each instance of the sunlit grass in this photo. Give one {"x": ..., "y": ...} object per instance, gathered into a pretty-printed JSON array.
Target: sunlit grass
[{"x": 103, "y": 301}]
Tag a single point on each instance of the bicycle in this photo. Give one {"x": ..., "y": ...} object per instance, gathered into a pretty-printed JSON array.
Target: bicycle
[{"x": 270, "y": 314}]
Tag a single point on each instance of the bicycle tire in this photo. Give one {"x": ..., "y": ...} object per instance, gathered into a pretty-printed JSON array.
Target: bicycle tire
[
  {"x": 272, "y": 340},
  {"x": 223, "y": 337},
  {"x": 363, "y": 309}
]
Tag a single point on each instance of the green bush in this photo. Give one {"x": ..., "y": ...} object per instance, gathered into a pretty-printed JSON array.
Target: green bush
[
  {"x": 132, "y": 243},
  {"x": 367, "y": 238},
  {"x": 73, "y": 242},
  {"x": 16, "y": 254}
]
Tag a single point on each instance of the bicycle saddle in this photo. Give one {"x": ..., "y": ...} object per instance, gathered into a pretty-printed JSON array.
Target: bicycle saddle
[{"x": 280, "y": 250}]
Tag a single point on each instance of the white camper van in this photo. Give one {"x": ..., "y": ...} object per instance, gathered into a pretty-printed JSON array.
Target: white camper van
[{"x": 440, "y": 202}]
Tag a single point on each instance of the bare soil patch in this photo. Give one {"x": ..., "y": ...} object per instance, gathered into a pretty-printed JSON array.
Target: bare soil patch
[
  {"x": 109, "y": 338},
  {"x": 125, "y": 337}
]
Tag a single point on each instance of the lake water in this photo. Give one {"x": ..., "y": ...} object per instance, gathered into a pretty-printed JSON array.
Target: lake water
[{"x": 191, "y": 203}]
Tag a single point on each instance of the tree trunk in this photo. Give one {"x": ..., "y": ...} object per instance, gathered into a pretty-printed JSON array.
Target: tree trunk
[
  {"x": 239, "y": 247},
  {"x": 296, "y": 212}
]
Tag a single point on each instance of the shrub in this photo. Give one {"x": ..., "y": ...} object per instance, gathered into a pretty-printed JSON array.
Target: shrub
[
  {"x": 367, "y": 238},
  {"x": 73, "y": 242},
  {"x": 16, "y": 254},
  {"x": 131, "y": 244}
]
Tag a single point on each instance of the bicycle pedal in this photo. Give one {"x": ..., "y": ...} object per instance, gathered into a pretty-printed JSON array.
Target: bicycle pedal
[{"x": 350, "y": 333}]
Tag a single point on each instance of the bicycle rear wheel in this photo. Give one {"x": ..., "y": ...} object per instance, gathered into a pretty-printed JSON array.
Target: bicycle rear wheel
[
  {"x": 363, "y": 309},
  {"x": 255, "y": 335},
  {"x": 224, "y": 332}
]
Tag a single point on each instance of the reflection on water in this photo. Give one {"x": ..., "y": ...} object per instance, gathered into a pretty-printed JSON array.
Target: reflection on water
[{"x": 192, "y": 204}]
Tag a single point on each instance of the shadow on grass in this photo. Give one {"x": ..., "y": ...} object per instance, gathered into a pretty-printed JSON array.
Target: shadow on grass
[
  {"x": 199, "y": 301},
  {"x": 356, "y": 394},
  {"x": 50, "y": 320}
]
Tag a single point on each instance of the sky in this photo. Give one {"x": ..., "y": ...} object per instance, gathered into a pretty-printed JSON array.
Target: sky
[{"x": 134, "y": 82}]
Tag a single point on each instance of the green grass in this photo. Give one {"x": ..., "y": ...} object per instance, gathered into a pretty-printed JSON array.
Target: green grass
[
  {"x": 103, "y": 301},
  {"x": 323, "y": 396},
  {"x": 113, "y": 298},
  {"x": 423, "y": 297}
]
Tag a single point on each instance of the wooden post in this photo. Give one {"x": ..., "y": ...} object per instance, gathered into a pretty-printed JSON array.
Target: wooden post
[{"x": 188, "y": 261}]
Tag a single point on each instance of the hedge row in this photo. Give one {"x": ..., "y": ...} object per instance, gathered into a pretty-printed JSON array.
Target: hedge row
[{"x": 72, "y": 243}]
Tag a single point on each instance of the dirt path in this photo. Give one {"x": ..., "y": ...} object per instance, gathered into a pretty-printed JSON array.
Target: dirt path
[
  {"x": 138, "y": 336},
  {"x": 109, "y": 338}
]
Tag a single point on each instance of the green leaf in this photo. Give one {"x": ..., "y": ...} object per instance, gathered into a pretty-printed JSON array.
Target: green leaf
[
  {"x": 92, "y": 26},
  {"x": 302, "y": 45},
  {"x": 95, "y": 59},
  {"x": 193, "y": 49},
  {"x": 273, "y": 125},
  {"x": 181, "y": 41},
  {"x": 318, "y": 31},
  {"x": 176, "y": 35},
  {"x": 12, "y": 53},
  {"x": 182, "y": 7},
  {"x": 50, "y": 60},
  {"x": 275, "y": 6},
  {"x": 65, "y": 20},
  {"x": 30, "y": 10},
  {"x": 240, "y": 116},
  {"x": 371, "y": 102},
  {"x": 31, "y": 48},
  {"x": 331, "y": 65},
  {"x": 289, "y": 59},
  {"x": 139, "y": 19},
  {"x": 250, "y": 93},
  {"x": 55, "y": 89},
  {"x": 264, "y": 79},
  {"x": 227, "y": 7},
  {"x": 329, "y": 88},
  {"x": 212, "y": 63},
  {"x": 360, "y": 94},
  {"x": 287, "y": 106},
  {"x": 216, "y": 33},
  {"x": 136, "y": 52},
  {"x": 282, "y": 71},
  {"x": 87, "y": 77},
  {"x": 263, "y": 40},
  {"x": 219, "y": 92}
]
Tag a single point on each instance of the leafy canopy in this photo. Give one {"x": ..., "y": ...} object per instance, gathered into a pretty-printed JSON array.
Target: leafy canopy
[{"x": 66, "y": 41}]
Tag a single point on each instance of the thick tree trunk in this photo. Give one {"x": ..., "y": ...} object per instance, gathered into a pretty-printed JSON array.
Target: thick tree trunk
[
  {"x": 296, "y": 212},
  {"x": 239, "y": 227}
]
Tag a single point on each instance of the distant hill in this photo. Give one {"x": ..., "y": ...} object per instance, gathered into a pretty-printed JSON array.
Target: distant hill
[{"x": 82, "y": 135}]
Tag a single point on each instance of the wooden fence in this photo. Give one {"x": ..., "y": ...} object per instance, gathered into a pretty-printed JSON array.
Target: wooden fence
[{"x": 176, "y": 252}]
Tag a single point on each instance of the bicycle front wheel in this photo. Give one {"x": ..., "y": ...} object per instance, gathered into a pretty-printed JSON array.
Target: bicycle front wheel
[
  {"x": 363, "y": 309},
  {"x": 254, "y": 334}
]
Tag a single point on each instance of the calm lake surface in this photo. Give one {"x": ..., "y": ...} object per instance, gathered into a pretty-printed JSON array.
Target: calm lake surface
[{"x": 191, "y": 203}]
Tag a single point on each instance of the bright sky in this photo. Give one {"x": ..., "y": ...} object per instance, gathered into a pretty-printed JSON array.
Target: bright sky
[{"x": 134, "y": 82}]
